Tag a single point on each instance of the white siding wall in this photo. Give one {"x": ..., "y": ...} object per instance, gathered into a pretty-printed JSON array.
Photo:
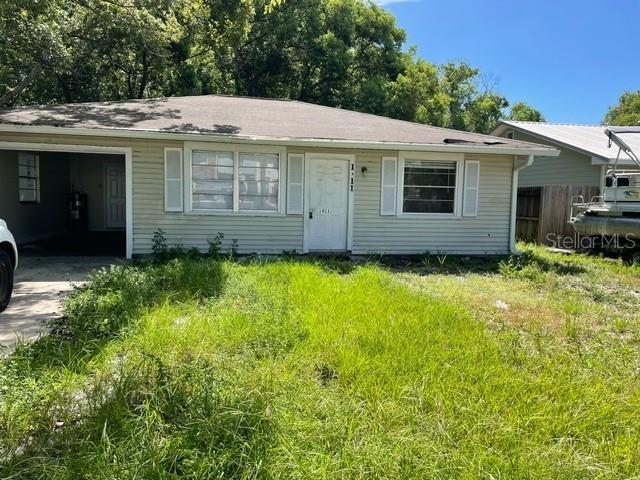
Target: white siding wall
[
  {"x": 253, "y": 233},
  {"x": 486, "y": 233}
]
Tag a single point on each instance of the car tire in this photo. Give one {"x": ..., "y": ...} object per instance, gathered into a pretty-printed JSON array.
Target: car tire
[{"x": 6, "y": 279}]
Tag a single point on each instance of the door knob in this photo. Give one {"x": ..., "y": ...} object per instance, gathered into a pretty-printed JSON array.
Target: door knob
[{"x": 310, "y": 214}]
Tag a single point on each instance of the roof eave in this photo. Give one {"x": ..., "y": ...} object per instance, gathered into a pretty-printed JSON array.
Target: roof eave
[
  {"x": 500, "y": 128},
  {"x": 504, "y": 125},
  {"x": 300, "y": 142}
]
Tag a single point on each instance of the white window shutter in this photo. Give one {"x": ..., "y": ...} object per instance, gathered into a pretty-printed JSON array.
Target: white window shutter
[
  {"x": 295, "y": 183},
  {"x": 173, "y": 179},
  {"x": 471, "y": 184},
  {"x": 388, "y": 187}
]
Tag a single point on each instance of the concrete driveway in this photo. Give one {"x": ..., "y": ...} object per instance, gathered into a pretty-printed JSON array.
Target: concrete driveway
[{"x": 41, "y": 283}]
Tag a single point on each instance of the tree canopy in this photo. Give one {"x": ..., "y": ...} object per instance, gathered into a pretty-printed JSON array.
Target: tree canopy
[
  {"x": 627, "y": 112},
  {"x": 341, "y": 53},
  {"x": 525, "y": 113}
]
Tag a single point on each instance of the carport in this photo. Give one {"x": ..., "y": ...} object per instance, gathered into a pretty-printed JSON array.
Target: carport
[{"x": 67, "y": 200}]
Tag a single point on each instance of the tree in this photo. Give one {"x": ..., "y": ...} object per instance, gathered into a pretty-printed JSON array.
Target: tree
[
  {"x": 340, "y": 53},
  {"x": 31, "y": 38},
  {"x": 484, "y": 112},
  {"x": 446, "y": 96},
  {"x": 415, "y": 94},
  {"x": 86, "y": 50},
  {"x": 627, "y": 112},
  {"x": 525, "y": 113}
]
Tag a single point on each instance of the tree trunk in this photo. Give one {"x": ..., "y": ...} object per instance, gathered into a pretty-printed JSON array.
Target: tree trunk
[
  {"x": 21, "y": 86},
  {"x": 145, "y": 75}
]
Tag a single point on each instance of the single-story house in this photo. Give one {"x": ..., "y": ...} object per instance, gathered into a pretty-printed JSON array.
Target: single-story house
[
  {"x": 546, "y": 188},
  {"x": 271, "y": 175}
]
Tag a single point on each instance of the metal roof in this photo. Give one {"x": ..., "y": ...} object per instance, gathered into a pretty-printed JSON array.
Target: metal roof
[
  {"x": 252, "y": 119},
  {"x": 589, "y": 139}
]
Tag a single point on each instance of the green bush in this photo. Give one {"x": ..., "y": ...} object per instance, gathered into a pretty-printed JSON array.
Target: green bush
[{"x": 114, "y": 295}]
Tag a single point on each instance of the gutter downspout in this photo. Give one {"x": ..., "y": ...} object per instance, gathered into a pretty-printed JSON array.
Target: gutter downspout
[{"x": 514, "y": 201}]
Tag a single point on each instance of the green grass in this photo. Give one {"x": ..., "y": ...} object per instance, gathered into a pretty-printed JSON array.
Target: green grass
[{"x": 454, "y": 368}]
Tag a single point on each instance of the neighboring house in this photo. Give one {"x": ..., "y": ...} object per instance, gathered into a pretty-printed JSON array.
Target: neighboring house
[
  {"x": 547, "y": 187},
  {"x": 272, "y": 175}
]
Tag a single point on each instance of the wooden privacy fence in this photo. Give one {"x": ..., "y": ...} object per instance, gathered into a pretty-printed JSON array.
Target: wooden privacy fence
[{"x": 543, "y": 213}]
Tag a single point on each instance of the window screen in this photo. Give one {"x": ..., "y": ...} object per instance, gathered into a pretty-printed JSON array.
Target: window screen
[
  {"x": 212, "y": 180},
  {"x": 429, "y": 187},
  {"x": 258, "y": 175}
]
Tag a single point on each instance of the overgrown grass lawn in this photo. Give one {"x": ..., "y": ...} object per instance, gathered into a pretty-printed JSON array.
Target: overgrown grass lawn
[{"x": 448, "y": 368}]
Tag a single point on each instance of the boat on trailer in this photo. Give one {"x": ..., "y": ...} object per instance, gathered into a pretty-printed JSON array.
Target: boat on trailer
[{"x": 611, "y": 221}]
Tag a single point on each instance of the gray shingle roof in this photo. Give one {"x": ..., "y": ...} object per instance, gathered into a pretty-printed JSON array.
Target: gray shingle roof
[
  {"x": 589, "y": 139},
  {"x": 245, "y": 117}
]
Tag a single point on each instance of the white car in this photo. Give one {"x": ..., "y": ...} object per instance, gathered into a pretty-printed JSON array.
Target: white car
[{"x": 8, "y": 264}]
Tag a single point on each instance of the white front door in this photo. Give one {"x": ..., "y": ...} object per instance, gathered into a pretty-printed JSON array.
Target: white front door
[
  {"x": 328, "y": 203},
  {"x": 115, "y": 199}
]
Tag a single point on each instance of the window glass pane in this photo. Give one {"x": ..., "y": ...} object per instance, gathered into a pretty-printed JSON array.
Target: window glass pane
[
  {"x": 212, "y": 186},
  {"x": 26, "y": 159},
  {"x": 432, "y": 206},
  {"x": 28, "y": 183},
  {"x": 203, "y": 201},
  {"x": 250, "y": 202},
  {"x": 224, "y": 159},
  {"x": 430, "y": 178},
  {"x": 26, "y": 170},
  {"x": 269, "y": 189},
  {"x": 264, "y": 160},
  {"x": 28, "y": 196},
  {"x": 212, "y": 172},
  {"x": 428, "y": 193},
  {"x": 429, "y": 187},
  {"x": 258, "y": 174},
  {"x": 212, "y": 180},
  {"x": 259, "y": 181}
]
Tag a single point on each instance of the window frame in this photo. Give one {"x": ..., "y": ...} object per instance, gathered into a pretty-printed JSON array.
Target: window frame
[
  {"x": 510, "y": 134},
  {"x": 435, "y": 157},
  {"x": 235, "y": 149},
  {"x": 36, "y": 168}
]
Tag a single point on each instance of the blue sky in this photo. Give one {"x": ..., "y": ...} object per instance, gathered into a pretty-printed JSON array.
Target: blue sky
[{"x": 564, "y": 57}]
